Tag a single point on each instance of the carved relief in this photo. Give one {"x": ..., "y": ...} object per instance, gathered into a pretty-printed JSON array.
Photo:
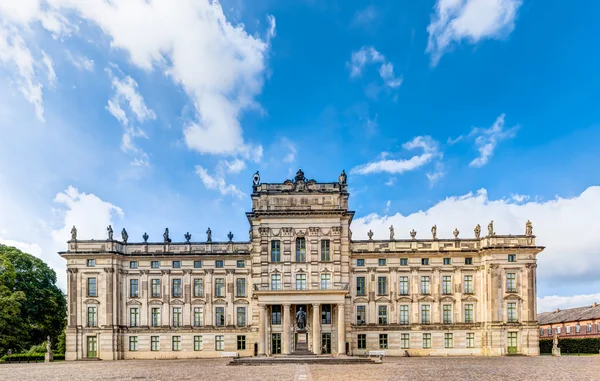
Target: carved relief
[{"x": 263, "y": 231}]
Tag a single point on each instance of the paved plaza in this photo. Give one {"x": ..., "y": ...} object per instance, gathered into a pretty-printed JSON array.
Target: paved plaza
[{"x": 474, "y": 368}]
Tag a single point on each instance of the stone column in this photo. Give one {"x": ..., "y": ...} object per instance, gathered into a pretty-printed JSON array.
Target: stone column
[
  {"x": 341, "y": 330},
  {"x": 286, "y": 329},
  {"x": 316, "y": 329},
  {"x": 261, "y": 329}
]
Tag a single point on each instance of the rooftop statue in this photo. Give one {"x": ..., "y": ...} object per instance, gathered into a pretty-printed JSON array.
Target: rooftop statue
[
  {"x": 342, "y": 178},
  {"x": 528, "y": 228},
  {"x": 145, "y": 237},
  {"x": 256, "y": 178},
  {"x": 74, "y": 233},
  {"x": 300, "y": 176},
  {"x": 187, "y": 237},
  {"x": 166, "y": 236},
  {"x": 370, "y": 234},
  {"x": 208, "y": 235},
  {"x": 434, "y": 231},
  {"x": 456, "y": 232},
  {"x": 413, "y": 234},
  {"x": 110, "y": 232},
  {"x": 124, "y": 235},
  {"x": 230, "y": 236},
  {"x": 392, "y": 232},
  {"x": 477, "y": 231},
  {"x": 491, "y": 228}
]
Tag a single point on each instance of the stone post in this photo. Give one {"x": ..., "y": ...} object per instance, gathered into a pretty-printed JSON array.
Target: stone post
[
  {"x": 341, "y": 333},
  {"x": 261, "y": 329},
  {"x": 286, "y": 329},
  {"x": 316, "y": 329}
]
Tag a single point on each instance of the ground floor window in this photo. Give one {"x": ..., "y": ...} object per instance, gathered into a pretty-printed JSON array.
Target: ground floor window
[
  {"x": 133, "y": 343},
  {"x": 197, "y": 343},
  {"x": 512, "y": 342},
  {"x": 470, "y": 340},
  {"x": 326, "y": 343},
  {"x": 448, "y": 340},
  {"x": 362, "y": 341},
  {"x": 241, "y": 343},
  {"x": 405, "y": 341},
  {"x": 383, "y": 341},
  {"x": 176, "y": 343},
  {"x": 154, "y": 343},
  {"x": 276, "y": 343},
  {"x": 219, "y": 343},
  {"x": 241, "y": 316},
  {"x": 426, "y": 340}
]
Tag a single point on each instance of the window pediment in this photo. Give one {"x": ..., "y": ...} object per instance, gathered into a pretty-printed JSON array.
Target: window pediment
[
  {"x": 404, "y": 299},
  {"x": 382, "y": 299},
  {"x": 469, "y": 298},
  {"x": 155, "y": 302},
  {"x": 448, "y": 299},
  {"x": 241, "y": 301},
  {"x": 91, "y": 301},
  {"x": 198, "y": 301},
  {"x": 512, "y": 297},
  {"x": 361, "y": 300},
  {"x": 426, "y": 299},
  {"x": 134, "y": 303},
  {"x": 177, "y": 302},
  {"x": 220, "y": 301}
]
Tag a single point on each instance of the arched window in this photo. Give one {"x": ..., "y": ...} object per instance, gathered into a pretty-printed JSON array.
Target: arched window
[{"x": 300, "y": 249}]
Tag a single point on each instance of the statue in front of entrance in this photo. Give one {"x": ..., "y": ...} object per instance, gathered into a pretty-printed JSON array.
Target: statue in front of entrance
[{"x": 301, "y": 319}]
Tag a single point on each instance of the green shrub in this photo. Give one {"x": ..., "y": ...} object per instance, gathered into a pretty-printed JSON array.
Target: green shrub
[
  {"x": 59, "y": 357},
  {"x": 585, "y": 345},
  {"x": 24, "y": 357}
]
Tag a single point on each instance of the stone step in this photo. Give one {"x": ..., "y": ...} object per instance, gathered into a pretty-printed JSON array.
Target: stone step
[{"x": 313, "y": 359}]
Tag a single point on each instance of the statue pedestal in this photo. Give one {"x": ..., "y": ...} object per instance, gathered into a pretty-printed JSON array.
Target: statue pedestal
[
  {"x": 555, "y": 351},
  {"x": 49, "y": 357}
]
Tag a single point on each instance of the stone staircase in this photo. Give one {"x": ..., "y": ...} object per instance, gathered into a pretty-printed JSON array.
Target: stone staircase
[{"x": 298, "y": 359}]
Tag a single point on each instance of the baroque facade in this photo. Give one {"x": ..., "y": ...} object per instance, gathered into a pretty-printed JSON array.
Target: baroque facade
[{"x": 302, "y": 284}]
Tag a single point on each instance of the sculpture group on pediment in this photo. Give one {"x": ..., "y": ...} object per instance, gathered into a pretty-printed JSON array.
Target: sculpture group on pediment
[
  {"x": 74, "y": 233},
  {"x": 477, "y": 231},
  {"x": 124, "y": 235},
  {"x": 109, "y": 229}
]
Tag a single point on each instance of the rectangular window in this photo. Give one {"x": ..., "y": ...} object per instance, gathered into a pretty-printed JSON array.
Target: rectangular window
[
  {"x": 275, "y": 281},
  {"x": 512, "y": 312},
  {"x": 403, "y": 261},
  {"x": 405, "y": 341},
  {"x": 241, "y": 316},
  {"x": 198, "y": 316},
  {"x": 240, "y": 287},
  {"x": 325, "y": 281},
  {"x": 133, "y": 264},
  {"x": 177, "y": 317},
  {"x": 381, "y": 261},
  {"x": 577, "y": 329},
  {"x": 176, "y": 343},
  {"x": 92, "y": 320},
  {"x": 425, "y": 285},
  {"x": 382, "y": 314},
  {"x": 512, "y": 258},
  {"x": 360, "y": 286},
  {"x": 447, "y": 313},
  {"x": 198, "y": 288},
  {"x": 275, "y": 251},
  {"x": 362, "y": 341},
  {"x": 425, "y": 314},
  {"x": 447, "y": 261},
  {"x": 468, "y": 284},
  {"x": 550, "y": 331},
  {"x": 360, "y": 262},
  {"x": 425, "y": 261},
  {"x": 541, "y": 331},
  {"x": 219, "y": 264},
  {"x": 361, "y": 315},
  {"x": 154, "y": 343},
  {"x": 176, "y": 288},
  {"x": 558, "y": 329},
  {"x": 219, "y": 343},
  {"x": 91, "y": 263},
  {"x": 468, "y": 261},
  {"x": 133, "y": 288},
  {"x": 382, "y": 285},
  {"x": 300, "y": 249},
  {"x": 219, "y": 287},
  {"x": 198, "y": 265},
  {"x": 470, "y": 340},
  {"x": 588, "y": 328},
  {"x": 426, "y": 340},
  {"x": 220, "y": 316},
  {"x": 133, "y": 343},
  {"x": 403, "y": 288},
  {"x": 155, "y": 285},
  {"x": 568, "y": 329},
  {"x": 91, "y": 287},
  {"x": 156, "y": 316},
  {"x": 300, "y": 281},
  {"x": 198, "y": 343},
  {"x": 326, "y": 314},
  {"x": 468, "y": 313},
  {"x": 403, "y": 314},
  {"x": 176, "y": 264},
  {"x": 241, "y": 342},
  {"x": 134, "y": 317},
  {"x": 155, "y": 265},
  {"x": 448, "y": 340},
  {"x": 446, "y": 284},
  {"x": 383, "y": 341},
  {"x": 511, "y": 283},
  {"x": 275, "y": 314},
  {"x": 241, "y": 264},
  {"x": 325, "y": 253}
]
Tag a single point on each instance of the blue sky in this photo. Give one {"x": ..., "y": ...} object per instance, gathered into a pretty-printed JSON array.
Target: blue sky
[{"x": 148, "y": 114}]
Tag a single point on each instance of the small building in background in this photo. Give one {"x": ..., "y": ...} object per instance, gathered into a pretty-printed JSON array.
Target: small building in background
[{"x": 576, "y": 323}]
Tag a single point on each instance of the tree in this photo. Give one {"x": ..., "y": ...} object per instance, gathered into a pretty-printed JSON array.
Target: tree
[{"x": 30, "y": 302}]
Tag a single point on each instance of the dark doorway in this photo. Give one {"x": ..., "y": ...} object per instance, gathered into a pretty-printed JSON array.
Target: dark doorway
[
  {"x": 326, "y": 343},
  {"x": 255, "y": 349}
]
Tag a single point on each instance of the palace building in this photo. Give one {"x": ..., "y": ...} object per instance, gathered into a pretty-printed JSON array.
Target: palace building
[{"x": 302, "y": 284}]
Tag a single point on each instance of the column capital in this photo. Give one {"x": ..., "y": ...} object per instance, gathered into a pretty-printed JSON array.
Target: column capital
[
  {"x": 316, "y": 304},
  {"x": 262, "y": 306},
  {"x": 342, "y": 304},
  {"x": 287, "y": 305}
]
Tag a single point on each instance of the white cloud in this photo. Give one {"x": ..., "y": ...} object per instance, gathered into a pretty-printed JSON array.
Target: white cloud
[
  {"x": 367, "y": 55},
  {"x": 271, "y": 32},
  {"x": 470, "y": 20},
  {"x": 218, "y": 183},
  {"x": 235, "y": 166},
  {"x": 126, "y": 90},
  {"x": 552, "y": 302},
  {"x": 566, "y": 226},
  {"x": 387, "y": 206},
  {"x": 488, "y": 138},
  {"x": 430, "y": 151},
  {"x": 81, "y": 62},
  {"x": 291, "y": 148},
  {"x": 364, "y": 17},
  {"x": 30, "y": 248},
  {"x": 47, "y": 61},
  {"x": 436, "y": 174}
]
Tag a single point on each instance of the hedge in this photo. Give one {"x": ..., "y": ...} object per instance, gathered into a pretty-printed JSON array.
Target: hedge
[
  {"x": 586, "y": 345},
  {"x": 29, "y": 357}
]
